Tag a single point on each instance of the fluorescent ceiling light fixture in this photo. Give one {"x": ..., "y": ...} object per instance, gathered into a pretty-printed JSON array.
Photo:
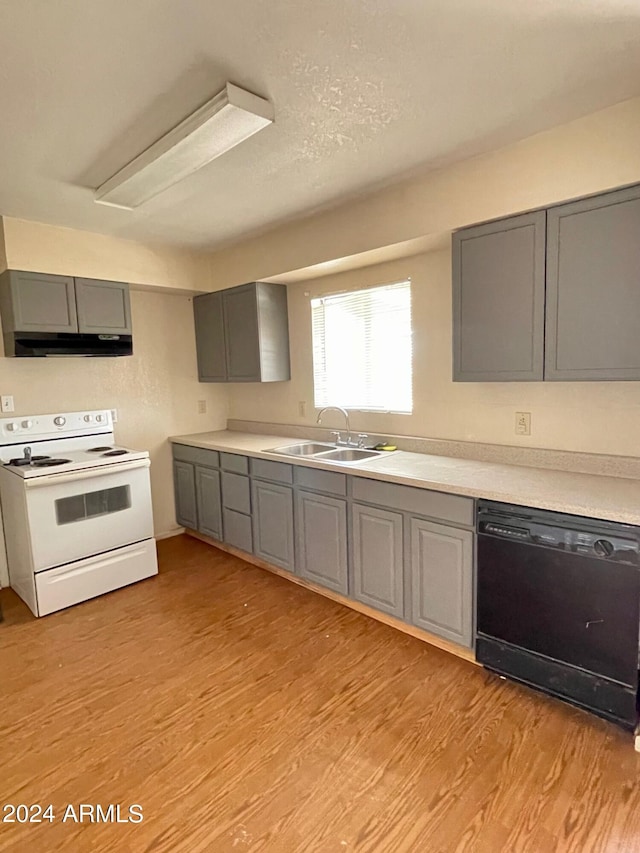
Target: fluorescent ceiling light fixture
[{"x": 222, "y": 123}]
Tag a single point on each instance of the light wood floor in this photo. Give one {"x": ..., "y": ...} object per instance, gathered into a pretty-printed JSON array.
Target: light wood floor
[{"x": 246, "y": 713}]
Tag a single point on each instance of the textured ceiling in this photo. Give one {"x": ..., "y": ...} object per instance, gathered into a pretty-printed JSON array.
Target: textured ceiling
[{"x": 364, "y": 92}]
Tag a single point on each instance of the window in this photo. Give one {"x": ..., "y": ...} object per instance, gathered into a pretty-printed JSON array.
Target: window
[
  {"x": 362, "y": 349},
  {"x": 92, "y": 504}
]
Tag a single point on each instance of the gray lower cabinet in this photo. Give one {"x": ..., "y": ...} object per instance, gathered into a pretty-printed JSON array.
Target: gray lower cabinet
[
  {"x": 273, "y": 523},
  {"x": 441, "y": 566},
  {"x": 209, "y": 503},
  {"x": 593, "y": 288},
  {"x": 378, "y": 558},
  {"x": 385, "y": 556},
  {"x": 237, "y": 530},
  {"x": 321, "y": 537},
  {"x": 103, "y": 307},
  {"x": 498, "y": 300},
  {"x": 184, "y": 483},
  {"x": 242, "y": 334}
]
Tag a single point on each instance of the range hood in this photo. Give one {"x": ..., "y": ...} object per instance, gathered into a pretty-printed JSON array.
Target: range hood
[{"x": 65, "y": 345}]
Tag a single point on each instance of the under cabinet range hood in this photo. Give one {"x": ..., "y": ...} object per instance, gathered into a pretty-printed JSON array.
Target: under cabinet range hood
[
  {"x": 65, "y": 345},
  {"x": 45, "y": 315}
]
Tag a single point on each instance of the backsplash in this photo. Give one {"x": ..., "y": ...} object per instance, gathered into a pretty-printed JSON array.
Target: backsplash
[{"x": 532, "y": 457}]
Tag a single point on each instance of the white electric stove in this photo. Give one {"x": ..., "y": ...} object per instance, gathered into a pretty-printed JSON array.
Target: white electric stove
[{"x": 76, "y": 509}]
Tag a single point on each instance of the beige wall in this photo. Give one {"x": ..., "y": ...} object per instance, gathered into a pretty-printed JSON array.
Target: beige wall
[
  {"x": 596, "y": 417},
  {"x": 3, "y": 253},
  {"x": 37, "y": 247},
  {"x": 155, "y": 391},
  {"x": 591, "y": 154}
]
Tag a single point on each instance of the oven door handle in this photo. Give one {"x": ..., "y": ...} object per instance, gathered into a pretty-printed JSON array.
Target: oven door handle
[{"x": 88, "y": 474}]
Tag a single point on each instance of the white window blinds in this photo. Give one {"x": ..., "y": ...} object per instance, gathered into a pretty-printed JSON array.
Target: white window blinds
[{"x": 362, "y": 349}]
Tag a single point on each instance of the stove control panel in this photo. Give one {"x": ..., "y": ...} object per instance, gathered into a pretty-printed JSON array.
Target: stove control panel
[{"x": 41, "y": 427}]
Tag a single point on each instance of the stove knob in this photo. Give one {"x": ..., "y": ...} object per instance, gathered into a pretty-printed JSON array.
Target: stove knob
[
  {"x": 59, "y": 421},
  {"x": 99, "y": 418},
  {"x": 88, "y": 418},
  {"x": 603, "y": 547},
  {"x": 27, "y": 424},
  {"x": 12, "y": 427}
]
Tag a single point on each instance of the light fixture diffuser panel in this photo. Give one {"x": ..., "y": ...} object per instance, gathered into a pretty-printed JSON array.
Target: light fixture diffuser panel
[{"x": 219, "y": 125}]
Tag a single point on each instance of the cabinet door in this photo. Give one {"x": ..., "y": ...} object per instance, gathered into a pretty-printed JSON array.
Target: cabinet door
[
  {"x": 498, "y": 300},
  {"x": 593, "y": 288},
  {"x": 237, "y": 530},
  {"x": 321, "y": 535},
  {"x": 43, "y": 303},
  {"x": 103, "y": 307},
  {"x": 273, "y": 523},
  {"x": 236, "y": 492},
  {"x": 210, "y": 347},
  {"x": 209, "y": 503},
  {"x": 184, "y": 484},
  {"x": 378, "y": 559},
  {"x": 241, "y": 334},
  {"x": 441, "y": 563}
]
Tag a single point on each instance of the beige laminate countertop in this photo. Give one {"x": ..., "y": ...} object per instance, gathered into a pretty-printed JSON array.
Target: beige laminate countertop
[{"x": 591, "y": 495}]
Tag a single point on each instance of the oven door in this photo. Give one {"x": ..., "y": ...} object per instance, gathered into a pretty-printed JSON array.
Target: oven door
[{"x": 88, "y": 512}]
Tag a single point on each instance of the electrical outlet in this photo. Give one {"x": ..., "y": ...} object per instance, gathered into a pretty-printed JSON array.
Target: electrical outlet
[
  {"x": 302, "y": 408},
  {"x": 523, "y": 423},
  {"x": 6, "y": 404},
  {"x": 114, "y": 416},
  {"x": 202, "y": 407}
]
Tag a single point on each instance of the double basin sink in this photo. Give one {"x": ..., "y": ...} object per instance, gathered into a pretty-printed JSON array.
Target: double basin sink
[{"x": 326, "y": 452}]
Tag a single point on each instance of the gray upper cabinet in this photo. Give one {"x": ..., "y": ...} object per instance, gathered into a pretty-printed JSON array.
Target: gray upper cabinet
[
  {"x": 378, "y": 564},
  {"x": 242, "y": 334},
  {"x": 103, "y": 307},
  {"x": 593, "y": 288},
  {"x": 184, "y": 484},
  {"x": 209, "y": 502},
  {"x": 210, "y": 346},
  {"x": 273, "y": 523},
  {"x": 321, "y": 532},
  {"x": 498, "y": 300},
  {"x": 441, "y": 564},
  {"x": 553, "y": 294},
  {"x": 37, "y": 302}
]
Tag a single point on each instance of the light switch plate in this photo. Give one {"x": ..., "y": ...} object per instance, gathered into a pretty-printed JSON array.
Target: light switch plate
[{"x": 6, "y": 404}]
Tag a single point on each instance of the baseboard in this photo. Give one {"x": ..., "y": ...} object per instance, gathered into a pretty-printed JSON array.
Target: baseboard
[{"x": 176, "y": 531}]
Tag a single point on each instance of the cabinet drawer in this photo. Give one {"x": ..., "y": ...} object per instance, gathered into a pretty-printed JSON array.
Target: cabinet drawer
[
  {"x": 235, "y": 492},
  {"x": 196, "y": 455},
  {"x": 234, "y": 462},
  {"x": 321, "y": 481},
  {"x": 278, "y": 472},
  {"x": 454, "y": 508},
  {"x": 237, "y": 530}
]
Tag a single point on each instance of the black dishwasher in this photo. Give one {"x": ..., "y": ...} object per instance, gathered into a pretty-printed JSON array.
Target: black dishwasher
[{"x": 559, "y": 605}]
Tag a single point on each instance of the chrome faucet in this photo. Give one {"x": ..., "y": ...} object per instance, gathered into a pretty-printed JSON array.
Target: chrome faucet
[{"x": 346, "y": 421}]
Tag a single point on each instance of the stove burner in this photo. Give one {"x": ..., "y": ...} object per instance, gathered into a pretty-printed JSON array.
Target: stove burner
[
  {"x": 98, "y": 449},
  {"x": 48, "y": 463},
  {"x": 22, "y": 461},
  {"x": 115, "y": 453}
]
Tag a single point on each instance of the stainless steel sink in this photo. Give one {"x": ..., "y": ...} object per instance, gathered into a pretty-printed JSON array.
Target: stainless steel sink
[
  {"x": 348, "y": 454},
  {"x": 326, "y": 452},
  {"x": 307, "y": 449}
]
